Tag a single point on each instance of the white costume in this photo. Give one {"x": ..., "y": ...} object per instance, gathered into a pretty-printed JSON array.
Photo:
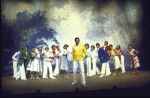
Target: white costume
[
  {"x": 88, "y": 63},
  {"x": 48, "y": 64},
  {"x": 94, "y": 56},
  {"x": 57, "y": 61},
  {"x": 38, "y": 62},
  {"x": 15, "y": 58},
  {"x": 121, "y": 58}
]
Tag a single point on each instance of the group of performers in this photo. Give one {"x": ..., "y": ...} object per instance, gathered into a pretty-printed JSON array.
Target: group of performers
[{"x": 39, "y": 61}]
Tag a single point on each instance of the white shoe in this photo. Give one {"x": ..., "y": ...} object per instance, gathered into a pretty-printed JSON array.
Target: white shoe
[
  {"x": 23, "y": 79},
  {"x": 74, "y": 83},
  {"x": 107, "y": 75},
  {"x": 17, "y": 78},
  {"x": 38, "y": 78},
  {"x": 84, "y": 85},
  {"x": 101, "y": 75},
  {"x": 45, "y": 78},
  {"x": 32, "y": 77},
  {"x": 13, "y": 77},
  {"x": 53, "y": 78}
]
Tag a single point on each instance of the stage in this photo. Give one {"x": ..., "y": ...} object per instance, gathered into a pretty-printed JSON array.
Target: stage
[{"x": 62, "y": 84}]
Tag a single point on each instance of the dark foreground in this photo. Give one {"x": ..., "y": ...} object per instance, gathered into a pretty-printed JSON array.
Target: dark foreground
[{"x": 120, "y": 85}]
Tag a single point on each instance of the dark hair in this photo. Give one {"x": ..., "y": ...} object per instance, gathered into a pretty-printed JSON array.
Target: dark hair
[
  {"x": 131, "y": 45},
  {"x": 21, "y": 48},
  {"x": 93, "y": 46},
  {"x": 27, "y": 47},
  {"x": 110, "y": 45},
  {"x": 46, "y": 48},
  {"x": 52, "y": 46},
  {"x": 87, "y": 45},
  {"x": 97, "y": 44},
  {"x": 106, "y": 42},
  {"x": 77, "y": 38},
  {"x": 32, "y": 47}
]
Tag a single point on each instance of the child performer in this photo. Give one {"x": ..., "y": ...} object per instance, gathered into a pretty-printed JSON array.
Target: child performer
[
  {"x": 134, "y": 59},
  {"x": 113, "y": 53},
  {"x": 64, "y": 62},
  {"x": 15, "y": 58},
  {"x": 88, "y": 61},
  {"x": 121, "y": 58},
  {"x": 56, "y": 70}
]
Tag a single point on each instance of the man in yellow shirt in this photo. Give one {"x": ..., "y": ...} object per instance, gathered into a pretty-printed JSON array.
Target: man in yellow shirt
[{"x": 77, "y": 58}]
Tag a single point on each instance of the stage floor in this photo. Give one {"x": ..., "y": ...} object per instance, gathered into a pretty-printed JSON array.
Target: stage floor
[{"x": 63, "y": 84}]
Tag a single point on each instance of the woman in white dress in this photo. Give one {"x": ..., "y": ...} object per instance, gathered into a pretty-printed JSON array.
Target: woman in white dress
[
  {"x": 38, "y": 62},
  {"x": 134, "y": 59},
  {"x": 64, "y": 61},
  {"x": 121, "y": 58},
  {"x": 56, "y": 70},
  {"x": 88, "y": 61}
]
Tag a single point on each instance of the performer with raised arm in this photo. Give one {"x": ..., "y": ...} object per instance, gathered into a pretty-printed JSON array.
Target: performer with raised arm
[
  {"x": 121, "y": 58},
  {"x": 88, "y": 61},
  {"x": 113, "y": 53},
  {"x": 64, "y": 61},
  {"x": 50, "y": 57},
  {"x": 105, "y": 62},
  {"x": 15, "y": 58},
  {"x": 58, "y": 58},
  {"x": 105, "y": 47},
  {"x": 22, "y": 62},
  {"x": 77, "y": 57},
  {"x": 134, "y": 59}
]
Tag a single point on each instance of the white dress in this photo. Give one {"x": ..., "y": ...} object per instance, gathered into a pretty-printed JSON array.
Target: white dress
[
  {"x": 135, "y": 59},
  {"x": 116, "y": 60},
  {"x": 64, "y": 62},
  {"x": 38, "y": 62}
]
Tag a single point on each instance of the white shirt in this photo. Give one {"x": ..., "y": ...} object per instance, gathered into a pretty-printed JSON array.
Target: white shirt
[
  {"x": 77, "y": 46},
  {"x": 14, "y": 56}
]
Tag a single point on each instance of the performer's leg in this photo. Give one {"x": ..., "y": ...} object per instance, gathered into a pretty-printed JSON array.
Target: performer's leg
[
  {"x": 75, "y": 65},
  {"x": 97, "y": 69},
  {"x": 122, "y": 64},
  {"x": 103, "y": 70},
  {"x": 90, "y": 70},
  {"x": 45, "y": 70},
  {"x": 94, "y": 66},
  {"x": 23, "y": 75},
  {"x": 14, "y": 68},
  {"x": 107, "y": 69},
  {"x": 83, "y": 81},
  {"x": 18, "y": 74},
  {"x": 87, "y": 63}
]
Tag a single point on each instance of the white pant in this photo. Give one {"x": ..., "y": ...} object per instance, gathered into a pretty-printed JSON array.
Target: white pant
[
  {"x": 15, "y": 68},
  {"x": 75, "y": 65},
  {"x": 47, "y": 65},
  {"x": 56, "y": 70},
  {"x": 122, "y": 64},
  {"x": 21, "y": 72},
  {"x": 95, "y": 68},
  {"x": 88, "y": 63},
  {"x": 105, "y": 69},
  {"x": 116, "y": 62}
]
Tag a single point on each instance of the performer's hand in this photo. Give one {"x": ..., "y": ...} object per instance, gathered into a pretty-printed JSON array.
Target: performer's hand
[
  {"x": 102, "y": 58},
  {"x": 25, "y": 57}
]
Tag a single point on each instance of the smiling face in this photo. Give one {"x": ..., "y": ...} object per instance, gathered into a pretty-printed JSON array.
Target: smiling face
[
  {"x": 33, "y": 49},
  {"x": 86, "y": 46},
  {"x": 77, "y": 41},
  {"x": 118, "y": 47},
  {"x": 26, "y": 48}
]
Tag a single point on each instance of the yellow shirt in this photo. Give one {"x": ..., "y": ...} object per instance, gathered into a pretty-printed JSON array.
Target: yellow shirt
[
  {"x": 114, "y": 52},
  {"x": 77, "y": 54}
]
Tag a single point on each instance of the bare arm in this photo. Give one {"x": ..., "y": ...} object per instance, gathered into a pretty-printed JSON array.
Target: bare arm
[{"x": 136, "y": 52}]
